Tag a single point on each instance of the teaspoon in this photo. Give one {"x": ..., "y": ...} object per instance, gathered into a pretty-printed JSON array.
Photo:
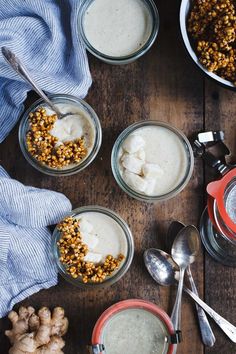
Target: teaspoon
[
  {"x": 21, "y": 70},
  {"x": 165, "y": 272},
  {"x": 207, "y": 334},
  {"x": 184, "y": 251}
]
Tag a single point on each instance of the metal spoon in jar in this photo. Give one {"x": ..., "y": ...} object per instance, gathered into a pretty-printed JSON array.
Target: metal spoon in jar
[
  {"x": 21, "y": 70},
  {"x": 165, "y": 271},
  {"x": 207, "y": 334}
]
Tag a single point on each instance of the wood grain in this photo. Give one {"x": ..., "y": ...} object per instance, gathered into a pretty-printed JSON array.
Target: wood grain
[{"x": 163, "y": 85}]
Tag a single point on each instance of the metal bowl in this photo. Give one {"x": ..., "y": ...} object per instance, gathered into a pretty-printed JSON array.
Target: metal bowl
[{"x": 183, "y": 16}]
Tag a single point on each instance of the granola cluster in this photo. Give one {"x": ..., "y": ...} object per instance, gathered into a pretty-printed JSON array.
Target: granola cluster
[
  {"x": 212, "y": 25},
  {"x": 72, "y": 252},
  {"x": 45, "y": 148}
]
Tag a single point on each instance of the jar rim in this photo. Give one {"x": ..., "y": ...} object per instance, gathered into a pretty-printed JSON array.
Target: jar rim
[
  {"x": 121, "y": 59},
  {"x": 77, "y": 167},
  {"x": 131, "y": 304},
  {"x": 117, "y": 175},
  {"x": 126, "y": 263}
]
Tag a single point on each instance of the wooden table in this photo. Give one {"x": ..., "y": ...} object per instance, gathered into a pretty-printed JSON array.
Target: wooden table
[{"x": 163, "y": 85}]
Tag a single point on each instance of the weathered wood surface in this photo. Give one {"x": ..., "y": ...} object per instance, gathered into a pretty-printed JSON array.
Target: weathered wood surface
[{"x": 163, "y": 85}]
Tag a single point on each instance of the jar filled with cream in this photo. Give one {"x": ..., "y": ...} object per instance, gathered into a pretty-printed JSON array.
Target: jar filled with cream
[
  {"x": 133, "y": 326},
  {"x": 152, "y": 161},
  {"x": 118, "y": 32}
]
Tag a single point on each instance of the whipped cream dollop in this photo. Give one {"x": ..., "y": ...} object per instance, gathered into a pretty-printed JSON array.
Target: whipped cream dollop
[
  {"x": 74, "y": 126},
  {"x": 69, "y": 128}
]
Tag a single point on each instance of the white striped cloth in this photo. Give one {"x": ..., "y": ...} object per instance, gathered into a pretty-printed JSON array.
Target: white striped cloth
[
  {"x": 44, "y": 35},
  {"x": 26, "y": 264}
]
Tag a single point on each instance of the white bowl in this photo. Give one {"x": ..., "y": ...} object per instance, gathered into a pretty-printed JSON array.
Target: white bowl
[{"x": 183, "y": 17}]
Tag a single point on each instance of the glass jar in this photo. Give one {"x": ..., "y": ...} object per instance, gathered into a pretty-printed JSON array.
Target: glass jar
[
  {"x": 185, "y": 146},
  {"x": 218, "y": 222},
  {"x": 217, "y": 244},
  {"x": 75, "y": 168},
  {"x": 120, "y": 324},
  {"x": 120, "y": 272},
  {"x": 150, "y": 5}
]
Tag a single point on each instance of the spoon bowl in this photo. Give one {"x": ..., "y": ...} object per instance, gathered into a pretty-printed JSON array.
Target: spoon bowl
[
  {"x": 186, "y": 246},
  {"x": 172, "y": 232},
  {"x": 161, "y": 266}
]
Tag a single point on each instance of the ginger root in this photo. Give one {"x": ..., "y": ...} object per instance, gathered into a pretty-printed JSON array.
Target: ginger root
[{"x": 40, "y": 333}]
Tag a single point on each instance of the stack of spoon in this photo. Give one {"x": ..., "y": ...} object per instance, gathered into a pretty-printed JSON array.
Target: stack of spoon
[{"x": 184, "y": 242}]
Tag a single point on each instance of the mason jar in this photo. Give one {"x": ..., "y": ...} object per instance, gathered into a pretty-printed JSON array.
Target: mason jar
[
  {"x": 108, "y": 56},
  {"x": 125, "y": 239},
  {"x": 82, "y": 107},
  {"x": 155, "y": 151},
  {"x": 118, "y": 329}
]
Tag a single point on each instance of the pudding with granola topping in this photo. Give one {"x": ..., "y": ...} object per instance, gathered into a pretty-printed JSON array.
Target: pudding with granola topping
[{"x": 60, "y": 143}]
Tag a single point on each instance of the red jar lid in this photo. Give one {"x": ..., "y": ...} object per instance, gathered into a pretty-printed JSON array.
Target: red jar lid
[
  {"x": 217, "y": 190},
  {"x": 216, "y": 221},
  {"x": 131, "y": 304}
]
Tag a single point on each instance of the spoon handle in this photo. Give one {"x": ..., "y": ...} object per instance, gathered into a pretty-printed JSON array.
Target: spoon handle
[
  {"x": 207, "y": 334},
  {"x": 176, "y": 312},
  {"x": 20, "y": 69},
  {"x": 225, "y": 325}
]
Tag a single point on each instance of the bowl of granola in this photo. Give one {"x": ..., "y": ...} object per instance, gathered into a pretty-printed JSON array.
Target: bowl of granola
[{"x": 208, "y": 30}]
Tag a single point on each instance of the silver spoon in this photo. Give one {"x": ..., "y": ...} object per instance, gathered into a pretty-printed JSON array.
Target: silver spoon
[
  {"x": 207, "y": 334},
  {"x": 21, "y": 70},
  {"x": 165, "y": 272},
  {"x": 184, "y": 251}
]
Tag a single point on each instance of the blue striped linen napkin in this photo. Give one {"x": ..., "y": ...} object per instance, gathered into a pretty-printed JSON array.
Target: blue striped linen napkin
[
  {"x": 26, "y": 264},
  {"x": 44, "y": 35}
]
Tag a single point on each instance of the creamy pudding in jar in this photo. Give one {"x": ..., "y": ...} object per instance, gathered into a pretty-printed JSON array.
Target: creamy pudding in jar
[
  {"x": 60, "y": 147},
  {"x": 92, "y": 246},
  {"x": 60, "y": 143},
  {"x": 118, "y": 29},
  {"x": 74, "y": 126},
  {"x": 133, "y": 326},
  {"x": 135, "y": 331},
  {"x": 153, "y": 159},
  {"x": 103, "y": 236}
]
